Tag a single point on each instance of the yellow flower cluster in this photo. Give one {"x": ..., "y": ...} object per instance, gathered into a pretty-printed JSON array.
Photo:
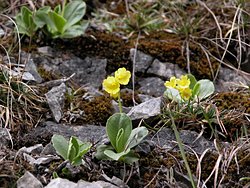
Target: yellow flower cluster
[
  {"x": 182, "y": 85},
  {"x": 112, "y": 83}
]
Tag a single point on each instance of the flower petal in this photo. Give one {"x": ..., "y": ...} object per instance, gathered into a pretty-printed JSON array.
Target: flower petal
[{"x": 122, "y": 76}]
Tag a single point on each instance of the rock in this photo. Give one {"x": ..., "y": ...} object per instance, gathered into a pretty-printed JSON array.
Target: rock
[
  {"x": 31, "y": 68},
  {"x": 45, "y": 160},
  {"x": 116, "y": 107},
  {"x": 55, "y": 98},
  {"x": 165, "y": 70},
  {"x": 227, "y": 78},
  {"x": 96, "y": 184},
  {"x": 114, "y": 180},
  {"x": 4, "y": 137},
  {"x": 145, "y": 147},
  {"x": 142, "y": 61},
  {"x": 146, "y": 110},
  {"x": 84, "y": 133},
  {"x": 2, "y": 32},
  {"x": 59, "y": 183},
  {"x": 144, "y": 98},
  {"x": 91, "y": 93},
  {"x": 34, "y": 150},
  {"x": 165, "y": 137},
  {"x": 88, "y": 71},
  {"x": 28, "y": 181},
  {"x": 28, "y": 158},
  {"x": 48, "y": 150},
  {"x": 152, "y": 86},
  {"x": 47, "y": 51}
]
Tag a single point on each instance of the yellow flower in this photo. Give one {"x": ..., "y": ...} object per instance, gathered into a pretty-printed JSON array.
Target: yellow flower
[
  {"x": 185, "y": 93},
  {"x": 111, "y": 85},
  {"x": 114, "y": 95},
  {"x": 182, "y": 83},
  {"x": 171, "y": 83},
  {"x": 122, "y": 76}
]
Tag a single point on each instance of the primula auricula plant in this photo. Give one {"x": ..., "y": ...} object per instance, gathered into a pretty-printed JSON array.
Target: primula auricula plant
[
  {"x": 119, "y": 128},
  {"x": 187, "y": 88}
]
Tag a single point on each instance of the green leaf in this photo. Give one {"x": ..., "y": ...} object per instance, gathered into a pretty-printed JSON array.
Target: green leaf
[
  {"x": 61, "y": 145},
  {"x": 206, "y": 89},
  {"x": 114, "y": 124},
  {"x": 115, "y": 156},
  {"x": 100, "y": 152},
  {"x": 196, "y": 90},
  {"x": 73, "y": 149},
  {"x": 41, "y": 16},
  {"x": 25, "y": 22},
  {"x": 119, "y": 140},
  {"x": 130, "y": 157},
  {"x": 56, "y": 22},
  {"x": 193, "y": 81},
  {"x": 73, "y": 12},
  {"x": 75, "y": 30},
  {"x": 21, "y": 25},
  {"x": 26, "y": 13},
  {"x": 173, "y": 94},
  {"x": 58, "y": 9},
  {"x": 83, "y": 149},
  {"x": 136, "y": 136}
]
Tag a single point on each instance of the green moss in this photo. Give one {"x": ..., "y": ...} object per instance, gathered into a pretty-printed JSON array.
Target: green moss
[
  {"x": 232, "y": 106},
  {"x": 233, "y": 101},
  {"x": 127, "y": 98},
  {"x": 97, "y": 110}
]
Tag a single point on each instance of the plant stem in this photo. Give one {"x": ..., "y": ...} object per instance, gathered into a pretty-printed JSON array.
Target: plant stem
[
  {"x": 119, "y": 102},
  {"x": 179, "y": 141}
]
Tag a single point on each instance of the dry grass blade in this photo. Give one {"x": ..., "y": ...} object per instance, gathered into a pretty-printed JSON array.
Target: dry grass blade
[
  {"x": 215, "y": 169},
  {"x": 198, "y": 169},
  {"x": 215, "y": 19}
]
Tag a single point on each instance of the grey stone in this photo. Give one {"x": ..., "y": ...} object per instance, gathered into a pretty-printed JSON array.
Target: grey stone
[
  {"x": 114, "y": 180},
  {"x": 28, "y": 181},
  {"x": 142, "y": 60},
  {"x": 96, "y": 184},
  {"x": 55, "y": 98},
  {"x": 152, "y": 86},
  {"x": 47, "y": 51},
  {"x": 60, "y": 182},
  {"x": 31, "y": 68},
  {"x": 91, "y": 92},
  {"x": 88, "y": 71},
  {"x": 45, "y": 160},
  {"x": 146, "y": 110},
  {"x": 144, "y": 98},
  {"x": 2, "y": 32},
  {"x": 4, "y": 137},
  {"x": 28, "y": 158},
  {"x": 165, "y": 70},
  {"x": 166, "y": 138},
  {"x": 116, "y": 107},
  {"x": 227, "y": 78},
  {"x": 84, "y": 133},
  {"x": 48, "y": 150},
  {"x": 35, "y": 150}
]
